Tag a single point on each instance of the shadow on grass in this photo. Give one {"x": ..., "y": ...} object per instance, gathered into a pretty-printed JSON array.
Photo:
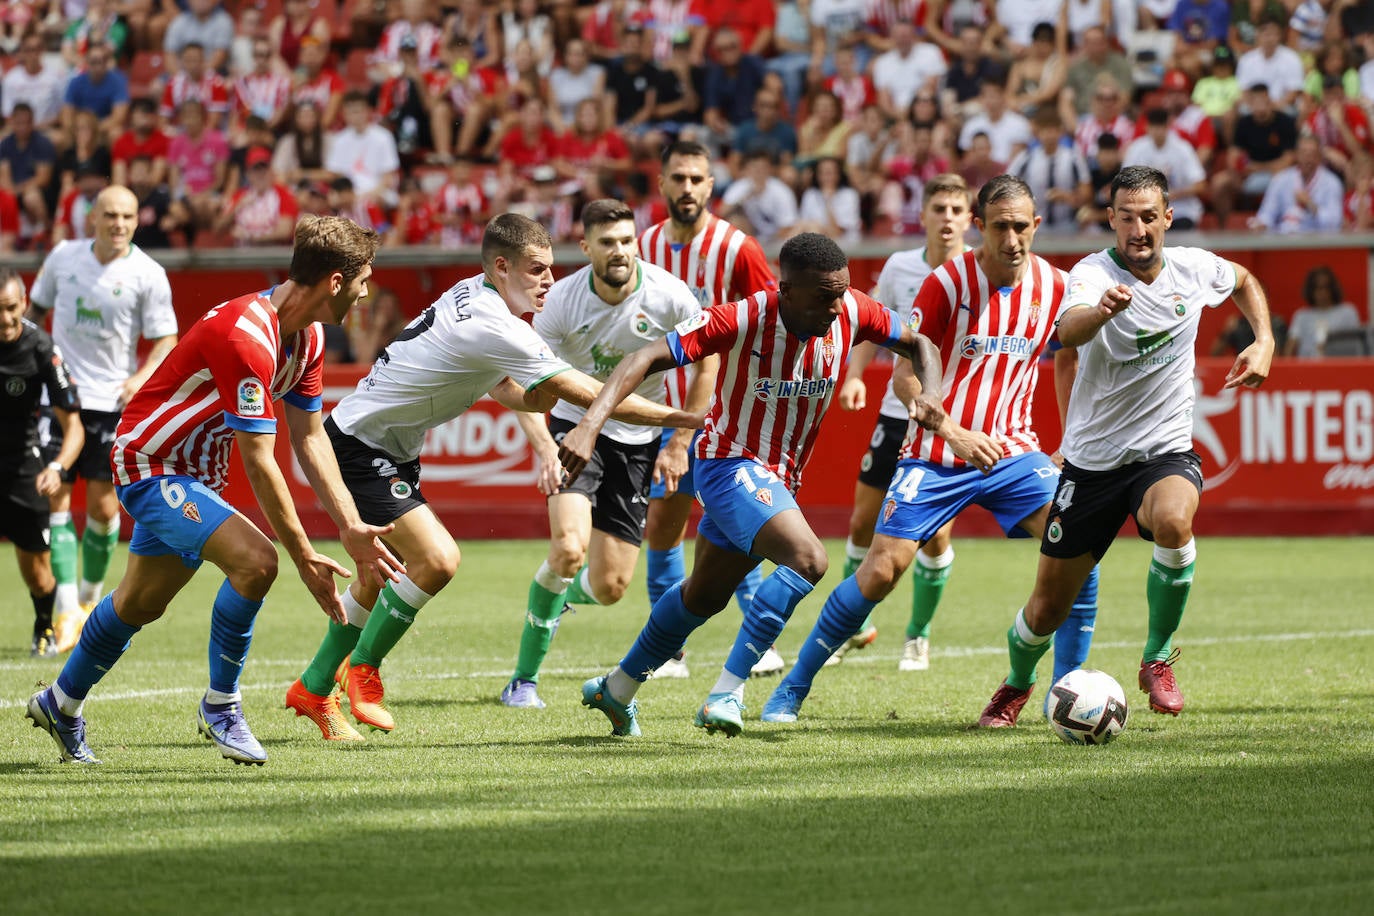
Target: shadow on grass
[{"x": 1247, "y": 839}]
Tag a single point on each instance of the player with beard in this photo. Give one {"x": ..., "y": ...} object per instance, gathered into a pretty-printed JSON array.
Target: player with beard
[
  {"x": 592, "y": 319},
  {"x": 720, "y": 263}
]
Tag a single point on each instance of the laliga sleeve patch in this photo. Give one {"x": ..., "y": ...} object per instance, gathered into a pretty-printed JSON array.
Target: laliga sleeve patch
[
  {"x": 691, "y": 324},
  {"x": 252, "y": 398}
]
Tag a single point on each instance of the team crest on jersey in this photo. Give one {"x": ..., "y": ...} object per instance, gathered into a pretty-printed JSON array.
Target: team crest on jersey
[
  {"x": 1035, "y": 311},
  {"x": 764, "y": 496},
  {"x": 889, "y": 507},
  {"x": 190, "y": 511},
  {"x": 252, "y": 398},
  {"x": 400, "y": 489},
  {"x": 691, "y": 324},
  {"x": 828, "y": 347},
  {"x": 15, "y": 386},
  {"x": 1180, "y": 307},
  {"x": 642, "y": 326}
]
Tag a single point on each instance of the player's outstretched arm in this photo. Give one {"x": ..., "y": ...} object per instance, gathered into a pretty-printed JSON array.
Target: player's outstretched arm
[
  {"x": 1080, "y": 323},
  {"x": 576, "y": 448},
  {"x": 269, "y": 486},
  {"x": 923, "y": 357},
  {"x": 976, "y": 448},
  {"x": 1251, "y": 367},
  {"x": 49, "y": 480},
  {"x": 513, "y": 397},
  {"x": 376, "y": 564}
]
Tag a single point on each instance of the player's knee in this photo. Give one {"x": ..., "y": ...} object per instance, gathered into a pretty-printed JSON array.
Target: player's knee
[
  {"x": 810, "y": 562},
  {"x": 566, "y": 555},
  {"x": 435, "y": 567},
  {"x": 1173, "y": 529},
  {"x": 877, "y": 576},
  {"x": 611, "y": 590},
  {"x": 254, "y": 577}
]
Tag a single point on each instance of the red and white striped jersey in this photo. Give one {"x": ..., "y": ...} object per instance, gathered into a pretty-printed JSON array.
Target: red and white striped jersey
[
  {"x": 210, "y": 90},
  {"x": 318, "y": 91},
  {"x": 222, "y": 376},
  {"x": 774, "y": 387},
  {"x": 721, "y": 264},
  {"x": 262, "y": 94},
  {"x": 990, "y": 344},
  {"x": 879, "y": 15}
]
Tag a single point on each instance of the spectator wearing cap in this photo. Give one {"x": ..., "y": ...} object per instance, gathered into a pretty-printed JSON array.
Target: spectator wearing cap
[
  {"x": 198, "y": 160},
  {"x": 74, "y": 209},
  {"x": 909, "y": 67},
  {"x": 1163, "y": 149},
  {"x": 1218, "y": 93},
  {"x": 364, "y": 152},
  {"x": 100, "y": 88},
  {"x": 758, "y": 202},
  {"x": 1341, "y": 126},
  {"x": 1105, "y": 117},
  {"x": 1008, "y": 131},
  {"x": 1097, "y": 59},
  {"x": 264, "y": 211},
  {"x": 205, "y": 23},
  {"x": 1305, "y": 197},
  {"x": 1262, "y": 145},
  {"x": 144, "y": 138},
  {"x": 1271, "y": 63},
  {"x": 1185, "y": 119}
]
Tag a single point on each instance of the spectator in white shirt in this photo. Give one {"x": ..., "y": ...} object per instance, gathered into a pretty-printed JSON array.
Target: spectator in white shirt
[
  {"x": 830, "y": 206},
  {"x": 365, "y": 152},
  {"x": 1305, "y": 197},
  {"x": 910, "y": 66},
  {"x": 1165, "y": 150},
  {"x": 1008, "y": 131},
  {"x": 1272, "y": 63},
  {"x": 758, "y": 202},
  {"x": 38, "y": 82}
]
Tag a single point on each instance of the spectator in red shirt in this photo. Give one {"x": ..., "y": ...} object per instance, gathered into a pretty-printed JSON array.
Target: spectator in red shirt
[
  {"x": 143, "y": 138},
  {"x": 365, "y": 211},
  {"x": 417, "y": 218},
  {"x": 851, "y": 87},
  {"x": 462, "y": 94},
  {"x": 463, "y": 207},
  {"x": 264, "y": 212},
  {"x": 74, "y": 209},
  {"x": 1185, "y": 119},
  {"x": 1342, "y": 127},
  {"x": 591, "y": 153},
  {"x": 531, "y": 143},
  {"x": 318, "y": 83},
  {"x": 196, "y": 81},
  {"x": 9, "y": 221},
  {"x": 751, "y": 20}
]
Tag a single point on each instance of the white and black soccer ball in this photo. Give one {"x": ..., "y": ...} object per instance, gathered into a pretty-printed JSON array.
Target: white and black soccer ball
[{"x": 1087, "y": 707}]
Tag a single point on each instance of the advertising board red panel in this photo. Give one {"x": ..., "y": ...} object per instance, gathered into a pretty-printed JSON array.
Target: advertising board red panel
[{"x": 1296, "y": 457}]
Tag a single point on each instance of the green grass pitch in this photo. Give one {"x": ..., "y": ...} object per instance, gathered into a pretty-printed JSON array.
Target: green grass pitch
[{"x": 1258, "y": 799}]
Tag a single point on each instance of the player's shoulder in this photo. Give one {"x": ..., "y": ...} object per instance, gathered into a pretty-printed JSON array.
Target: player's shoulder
[
  {"x": 1104, "y": 261},
  {"x": 1190, "y": 257},
  {"x": 145, "y": 264},
  {"x": 62, "y": 253},
  {"x": 34, "y": 338},
  {"x": 1050, "y": 271},
  {"x": 911, "y": 260}
]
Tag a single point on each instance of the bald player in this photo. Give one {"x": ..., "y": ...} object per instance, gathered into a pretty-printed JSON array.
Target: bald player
[{"x": 104, "y": 294}]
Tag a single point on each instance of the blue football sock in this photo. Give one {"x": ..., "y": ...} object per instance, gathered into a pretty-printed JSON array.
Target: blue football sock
[
  {"x": 747, "y": 589},
  {"x": 777, "y": 597},
  {"x": 1075, "y": 635},
  {"x": 103, "y": 640},
  {"x": 665, "y": 569},
  {"x": 663, "y": 636},
  {"x": 841, "y": 617},
  {"x": 231, "y": 633}
]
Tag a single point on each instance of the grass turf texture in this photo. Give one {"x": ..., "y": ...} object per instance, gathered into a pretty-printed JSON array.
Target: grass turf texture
[{"x": 1259, "y": 798}]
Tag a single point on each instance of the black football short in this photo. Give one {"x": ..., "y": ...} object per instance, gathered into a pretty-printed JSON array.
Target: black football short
[
  {"x": 382, "y": 488},
  {"x": 616, "y": 481},
  {"x": 1090, "y": 507},
  {"x": 24, "y": 514},
  {"x": 94, "y": 461},
  {"x": 880, "y": 461}
]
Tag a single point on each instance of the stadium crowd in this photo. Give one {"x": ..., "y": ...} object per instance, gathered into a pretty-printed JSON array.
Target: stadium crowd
[{"x": 421, "y": 118}]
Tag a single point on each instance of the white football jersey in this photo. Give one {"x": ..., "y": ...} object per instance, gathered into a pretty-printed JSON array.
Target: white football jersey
[
  {"x": 440, "y": 365},
  {"x": 99, "y": 311},
  {"x": 1133, "y": 395},
  {"x": 595, "y": 337},
  {"x": 898, "y": 284}
]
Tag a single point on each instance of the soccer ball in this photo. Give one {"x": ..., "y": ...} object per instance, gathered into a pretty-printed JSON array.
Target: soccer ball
[{"x": 1087, "y": 707}]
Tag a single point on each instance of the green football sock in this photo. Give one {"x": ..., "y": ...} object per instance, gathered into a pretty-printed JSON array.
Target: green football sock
[
  {"x": 541, "y": 621},
  {"x": 928, "y": 579},
  {"x": 63, "y": 546},
  {"x": 1026, "y": 649},
  {"x": 1166, "y": 590},
  {"x": 391, "y": 616},
  {"x": 338, "y": 642},
  {"x": 97, "y": 546},
  {"x": 578, "y": 591}
]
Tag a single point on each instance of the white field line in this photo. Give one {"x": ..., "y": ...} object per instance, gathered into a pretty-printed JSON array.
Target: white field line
[{"x": 864, "y": 658}]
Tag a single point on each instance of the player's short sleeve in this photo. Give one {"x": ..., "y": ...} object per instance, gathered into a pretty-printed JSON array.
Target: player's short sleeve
[
  {"x": 158, "y": 317},
  {"x": 44, "y": 291},
  {"x": 308, "y": 393},
  {"x": 887, "y": 295},
  {"x": 752, "y": 272},
  {"x": 931, "y": 310},
  {"x": 549, "y": 323},
  {"x": 1216, "y": 275},
  {"x": 242, "y": 368},
  {"x": 1087, "y": 282},
  {"x": 714, "y": 330},
  {"x": 57, "y": 380},
  {"x": 876, "y": 322},
  {"x": 521, "y": 354}
]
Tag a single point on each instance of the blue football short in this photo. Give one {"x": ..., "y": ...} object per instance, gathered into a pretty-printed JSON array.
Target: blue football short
[
  {"x": 739, "y": 496},
  {"x": 173, "y": 514},
  {"x": 923, "y": 496},
  {"x": 659, "y": 490}
]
